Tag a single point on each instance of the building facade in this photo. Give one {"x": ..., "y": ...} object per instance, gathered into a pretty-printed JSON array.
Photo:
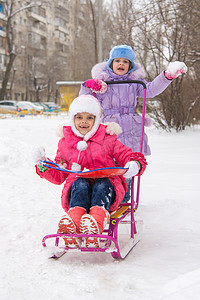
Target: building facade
[{"x": 43, "y": 38}]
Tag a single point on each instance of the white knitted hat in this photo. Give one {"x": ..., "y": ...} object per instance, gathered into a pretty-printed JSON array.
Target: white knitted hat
[{"x": 88, "y": 104}]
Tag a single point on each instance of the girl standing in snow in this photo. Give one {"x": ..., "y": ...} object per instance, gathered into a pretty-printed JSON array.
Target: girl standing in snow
[
  {"x": 85, "y": 144},
  {"x": 119, "y": 101}
]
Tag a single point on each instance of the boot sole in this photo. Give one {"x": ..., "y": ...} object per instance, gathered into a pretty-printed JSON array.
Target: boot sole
[
  {"x": 88, "y": 225},
  {"x": 66, "y": 225}
]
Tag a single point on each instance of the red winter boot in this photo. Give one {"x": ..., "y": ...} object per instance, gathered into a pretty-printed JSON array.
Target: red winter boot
[
  {"x": 92, "y": 223},
  {"x": 70, "y": 224}
]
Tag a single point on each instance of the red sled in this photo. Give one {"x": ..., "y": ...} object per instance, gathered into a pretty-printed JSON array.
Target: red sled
[
  {"x": 124, "y": 231},
  {"x": 96, "y": 173}
]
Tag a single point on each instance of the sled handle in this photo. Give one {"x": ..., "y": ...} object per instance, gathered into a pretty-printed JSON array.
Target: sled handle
[
  {"x": 143, "y": 106},
  {"x": 141, "y": 144},
  {"x": 127, "y": 81}
]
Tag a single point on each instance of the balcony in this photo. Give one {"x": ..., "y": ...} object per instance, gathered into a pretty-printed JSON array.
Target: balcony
[
  {"x": 3, "y": 17},
  {"x": 37, "y": 31},
  {"x": 37, "y": 17},
  {"x": 2, "y": 33}
]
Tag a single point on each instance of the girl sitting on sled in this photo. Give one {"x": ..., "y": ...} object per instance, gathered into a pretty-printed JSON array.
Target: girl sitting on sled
[{"x": 86, "y": 145}]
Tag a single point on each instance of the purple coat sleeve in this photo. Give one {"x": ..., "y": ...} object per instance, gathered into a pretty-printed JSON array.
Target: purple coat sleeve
[
  {"x": 155, "y": 87},
  {"x": 84, "y": 90}
]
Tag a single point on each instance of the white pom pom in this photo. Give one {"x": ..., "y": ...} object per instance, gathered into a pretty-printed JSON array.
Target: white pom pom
[
  {"x": 76, "y": 167},
  {"x": 82, "y": 145}
]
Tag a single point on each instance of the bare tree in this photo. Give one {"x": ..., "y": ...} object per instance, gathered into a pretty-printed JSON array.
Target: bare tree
[
  {"x": 121, "y": 22},
  {"x": 177, "y": 23},
  {"x": 161, "y": 31},
  {"x": 85, "y": 51}
]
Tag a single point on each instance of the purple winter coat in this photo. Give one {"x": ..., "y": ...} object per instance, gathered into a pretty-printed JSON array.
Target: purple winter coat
[{"x": 120, "y": 100}]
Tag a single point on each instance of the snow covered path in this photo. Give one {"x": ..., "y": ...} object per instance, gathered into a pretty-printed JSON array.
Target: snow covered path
[{"x": 165, "y": 265}]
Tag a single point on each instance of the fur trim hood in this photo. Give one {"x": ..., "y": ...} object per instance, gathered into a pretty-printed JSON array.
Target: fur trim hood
[
  {"x": 100, "y": 71},
  {"x": 114, "y": 127}
]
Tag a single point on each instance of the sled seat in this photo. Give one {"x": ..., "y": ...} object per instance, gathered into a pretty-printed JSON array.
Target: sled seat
[{"x": 119, "y": 212}]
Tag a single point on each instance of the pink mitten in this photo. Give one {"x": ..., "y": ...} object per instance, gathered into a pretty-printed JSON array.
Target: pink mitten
[
  {"x": 96, "y": 85},
  {"x": 175, "y": 69}
]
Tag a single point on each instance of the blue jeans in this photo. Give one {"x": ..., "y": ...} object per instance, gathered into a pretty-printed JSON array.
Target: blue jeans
[
  {"x": 86, "y": 194},
  {"x": 127, "y": 195}
]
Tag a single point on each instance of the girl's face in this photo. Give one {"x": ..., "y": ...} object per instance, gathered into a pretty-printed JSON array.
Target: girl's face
[
  {"x": 120, "y": 66},
  {"x": 84, "y": 122}
]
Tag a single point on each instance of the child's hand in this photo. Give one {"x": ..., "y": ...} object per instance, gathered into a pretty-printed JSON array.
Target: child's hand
[
  {"x": 113, "y": 128},
  {"x": 175, "y": 69},
  {"x": 133, "y": 169},
  {"x": 96, "y": 85},
  {"x": 38, "y": 154}
]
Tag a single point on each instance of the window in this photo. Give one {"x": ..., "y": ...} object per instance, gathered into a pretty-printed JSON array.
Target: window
[
  {"x": 62, "y": 36},
  {"x": 39, "y": 11}
]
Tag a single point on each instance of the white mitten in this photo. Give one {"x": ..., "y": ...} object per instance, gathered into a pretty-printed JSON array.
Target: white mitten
[
  {"x": 175, "y": 69},
  {"x": 38, "y": 154},
  {"x": 133, "y": 169},
  {"x": 76, "y": 167},
  {"x": 113, "y": 128}
]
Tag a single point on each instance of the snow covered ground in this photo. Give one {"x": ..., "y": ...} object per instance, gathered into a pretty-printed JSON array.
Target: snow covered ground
[{"x": 165, "y": 265}]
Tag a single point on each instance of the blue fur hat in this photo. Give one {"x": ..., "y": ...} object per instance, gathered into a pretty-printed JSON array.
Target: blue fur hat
[{"x": 121, "y": 51}]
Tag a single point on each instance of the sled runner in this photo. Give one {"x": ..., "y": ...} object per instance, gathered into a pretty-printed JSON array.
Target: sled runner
[{"x": 123, "y": 231}]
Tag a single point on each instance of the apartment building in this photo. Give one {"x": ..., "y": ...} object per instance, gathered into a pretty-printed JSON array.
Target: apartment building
[{"x": 44, "y": 42}]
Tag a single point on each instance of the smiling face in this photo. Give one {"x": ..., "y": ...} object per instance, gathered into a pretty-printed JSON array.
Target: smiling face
[
  {"x": 84, "y": 122},
  {"x": 120, "y": 66}
]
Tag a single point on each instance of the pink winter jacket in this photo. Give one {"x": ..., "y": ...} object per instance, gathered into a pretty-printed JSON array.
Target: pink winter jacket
[{"x": 101, "y": 151}]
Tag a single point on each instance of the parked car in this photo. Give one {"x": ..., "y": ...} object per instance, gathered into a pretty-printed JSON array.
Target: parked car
[
  {"x": 40, "y": 105},
  {"x": 53, "y": 106},
  {"x": 31, "y": 106},
  {"x": 9, "y": 106},
  {"x": 45, "y": 107}
]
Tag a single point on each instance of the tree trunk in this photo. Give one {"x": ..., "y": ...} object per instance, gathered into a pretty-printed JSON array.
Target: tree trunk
[{"x": 12, "y": 57}]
